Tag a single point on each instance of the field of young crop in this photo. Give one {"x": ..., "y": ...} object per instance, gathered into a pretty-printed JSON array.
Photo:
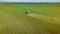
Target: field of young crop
[{"x": 43, "y": 19}]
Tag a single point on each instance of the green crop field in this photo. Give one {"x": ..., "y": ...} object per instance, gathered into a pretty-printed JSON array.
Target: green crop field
[{"x": 13, "y": 19}]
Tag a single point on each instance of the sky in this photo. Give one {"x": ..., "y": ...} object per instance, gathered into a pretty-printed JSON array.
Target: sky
[{"x": 29, "y": 0}]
